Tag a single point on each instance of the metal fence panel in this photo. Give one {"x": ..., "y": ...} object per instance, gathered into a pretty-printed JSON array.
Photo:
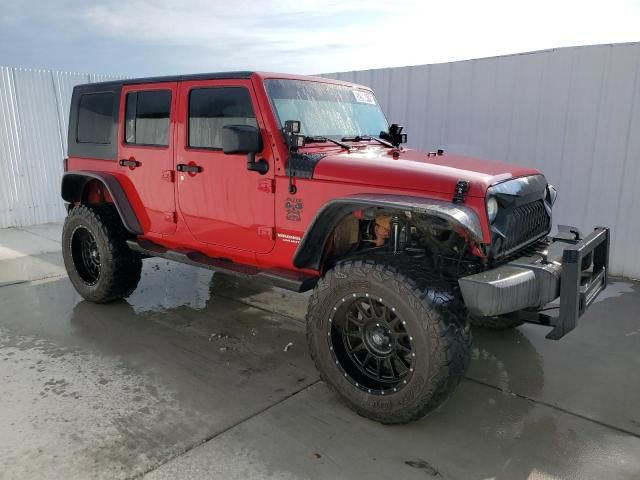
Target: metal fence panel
[
  {"x": 9, "y": 148},
  {"x": 34, "y": 111},
  {"x": 573, "y": 113},
  {"x": 37, "y": 175}
]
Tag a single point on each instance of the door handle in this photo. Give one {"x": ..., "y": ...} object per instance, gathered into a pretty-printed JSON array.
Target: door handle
[
  {"x": 181, "y": 167},
  {"x": 131, "y": 163}
]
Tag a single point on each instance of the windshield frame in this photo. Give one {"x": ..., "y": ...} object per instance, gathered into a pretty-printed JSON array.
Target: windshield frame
[{"x": 352, "y": 86}]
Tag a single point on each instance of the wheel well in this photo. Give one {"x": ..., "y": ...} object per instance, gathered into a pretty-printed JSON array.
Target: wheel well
[
  {"x": 352, "y": 229},
  {"x": 95, "y": 192},
  {"x": 95, "y": 188}
]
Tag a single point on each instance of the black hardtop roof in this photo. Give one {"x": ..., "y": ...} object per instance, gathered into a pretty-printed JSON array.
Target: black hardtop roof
[
  {"x": 114, "y": 85},
  {"x": 170, "y": 78}
]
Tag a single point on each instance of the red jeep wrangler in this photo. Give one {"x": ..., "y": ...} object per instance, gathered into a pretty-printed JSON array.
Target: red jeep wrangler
[{"x": 300, "y": 182}]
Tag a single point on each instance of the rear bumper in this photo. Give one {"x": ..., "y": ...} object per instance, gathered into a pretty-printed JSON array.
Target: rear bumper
[{"x": 573, "y": 269}]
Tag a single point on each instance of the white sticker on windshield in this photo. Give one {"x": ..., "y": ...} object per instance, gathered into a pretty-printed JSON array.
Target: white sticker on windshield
[{"x": 363, "y": 96}]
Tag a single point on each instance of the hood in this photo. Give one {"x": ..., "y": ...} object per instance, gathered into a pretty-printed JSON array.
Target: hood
[{"x": 415, "y": 170}]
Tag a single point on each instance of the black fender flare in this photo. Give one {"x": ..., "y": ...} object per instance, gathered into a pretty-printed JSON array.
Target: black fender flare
[
  {"x": 73, "y": 184},
  {"x": 309, "y": 253}
]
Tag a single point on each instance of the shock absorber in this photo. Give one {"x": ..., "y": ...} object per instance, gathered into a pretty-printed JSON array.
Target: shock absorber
[{"x": 395, "y": 234}]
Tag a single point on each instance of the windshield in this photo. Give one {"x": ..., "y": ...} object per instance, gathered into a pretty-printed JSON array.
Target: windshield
[{"x": 325, "y": 109}]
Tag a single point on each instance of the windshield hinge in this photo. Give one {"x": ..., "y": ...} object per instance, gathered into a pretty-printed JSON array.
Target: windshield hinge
[
  {"x": 460, "y": 193},
  {"x": 265, "y": 232},
  {"x": 266, "y": 185}
]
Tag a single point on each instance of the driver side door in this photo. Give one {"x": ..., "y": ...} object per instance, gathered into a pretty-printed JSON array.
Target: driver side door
[{"x": 221, "y": 202}]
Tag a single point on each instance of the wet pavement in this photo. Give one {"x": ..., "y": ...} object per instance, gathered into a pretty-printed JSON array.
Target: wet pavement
[{"x": 189, "y": 378}]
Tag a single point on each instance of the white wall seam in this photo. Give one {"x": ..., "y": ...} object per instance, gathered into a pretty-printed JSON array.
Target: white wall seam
[{"x": 57, "y": 98}]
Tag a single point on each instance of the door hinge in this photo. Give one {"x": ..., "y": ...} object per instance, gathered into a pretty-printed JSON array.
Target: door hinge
[
  {"x": 265, "y": 232},
  {"x": 169, "y": 176},
  {"x": 266, "y": 185},
  {"x": 171, "y": 217}
]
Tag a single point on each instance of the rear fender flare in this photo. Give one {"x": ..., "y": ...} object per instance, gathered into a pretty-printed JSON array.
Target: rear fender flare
[
  {"x": 73, "y": 184},
  {"x": 310, "y": 252}
]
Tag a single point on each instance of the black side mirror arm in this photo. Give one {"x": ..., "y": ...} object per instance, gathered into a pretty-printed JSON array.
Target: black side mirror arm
[{"x": 260, "y": 166}]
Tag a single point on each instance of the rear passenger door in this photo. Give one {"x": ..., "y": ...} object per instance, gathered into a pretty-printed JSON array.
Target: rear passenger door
[
  {"x": 223, "y": 203},
  {"x": 145, "y": 152}
]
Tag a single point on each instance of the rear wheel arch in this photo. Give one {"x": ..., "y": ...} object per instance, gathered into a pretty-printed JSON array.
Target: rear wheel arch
[
  {"x": 77, "y": 187},
  {"x": 313, "y": 246}
]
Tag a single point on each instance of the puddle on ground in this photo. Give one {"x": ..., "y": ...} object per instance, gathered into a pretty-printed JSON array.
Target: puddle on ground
[
  {"x": 616, "y": 288},
  {"x": 109, "y": 390},
  {"x": 88, "y": 409}
]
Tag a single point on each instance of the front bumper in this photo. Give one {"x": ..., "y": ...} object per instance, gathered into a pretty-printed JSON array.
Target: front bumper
[{"x": 571, "y": 269}]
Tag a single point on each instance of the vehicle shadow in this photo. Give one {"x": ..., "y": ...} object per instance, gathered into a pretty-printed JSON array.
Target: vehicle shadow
[{"x": 498, "y": 356}]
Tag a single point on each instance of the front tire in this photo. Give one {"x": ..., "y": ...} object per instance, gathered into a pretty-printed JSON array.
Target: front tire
[
  {"x": 100, "y": 265},
  {"x": 391, "y": 339}
]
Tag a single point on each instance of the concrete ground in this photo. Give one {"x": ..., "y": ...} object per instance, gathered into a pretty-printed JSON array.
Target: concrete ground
[{"x": 189, "y": 378}]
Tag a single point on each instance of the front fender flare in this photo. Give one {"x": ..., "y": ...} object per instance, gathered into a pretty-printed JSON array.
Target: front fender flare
[
  {"x": 73, "y": 184},
  {"x": 309, "y": 253}
]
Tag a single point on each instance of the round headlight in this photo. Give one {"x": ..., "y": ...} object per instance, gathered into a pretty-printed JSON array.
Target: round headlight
[
  {"x": 492, "y": 209},
  {"x": 552, "y": 194}
]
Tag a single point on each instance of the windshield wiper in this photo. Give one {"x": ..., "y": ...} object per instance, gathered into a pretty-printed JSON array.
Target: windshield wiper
[
  {"x": 363, "y": 138},
  {"x": 325, "y": 139}
]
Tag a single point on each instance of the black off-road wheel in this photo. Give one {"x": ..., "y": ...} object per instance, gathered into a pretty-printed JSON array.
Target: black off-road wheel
[
  {"x": 100, "y": 265},
  {"x": 495, "y": 323},
  {"x": 393, "y": 340}
]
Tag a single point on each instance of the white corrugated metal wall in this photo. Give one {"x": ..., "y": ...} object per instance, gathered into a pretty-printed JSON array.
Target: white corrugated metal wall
[
  {"x": 573, "y": 113},
  {"x": 34, "y": 111}
]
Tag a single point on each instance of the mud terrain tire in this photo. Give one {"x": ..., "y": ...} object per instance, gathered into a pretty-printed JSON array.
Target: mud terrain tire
[
  {"x": 432, "y": 317},
  {"x": 100, "y": 265}
]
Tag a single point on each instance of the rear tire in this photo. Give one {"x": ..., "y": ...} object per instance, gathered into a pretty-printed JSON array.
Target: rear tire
[
  {"x": 409, "y": 322},
  {"x": 99, "y": 263}
]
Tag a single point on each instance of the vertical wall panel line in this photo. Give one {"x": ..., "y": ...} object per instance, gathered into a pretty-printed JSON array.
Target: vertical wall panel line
[{"x": 57, "y": 98}]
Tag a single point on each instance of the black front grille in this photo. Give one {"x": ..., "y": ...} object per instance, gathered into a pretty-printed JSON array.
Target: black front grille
[{"x": 524, "y": 224}]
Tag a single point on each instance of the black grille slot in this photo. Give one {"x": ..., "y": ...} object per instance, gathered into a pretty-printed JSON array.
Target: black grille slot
[{"x": 525, "y": 224}]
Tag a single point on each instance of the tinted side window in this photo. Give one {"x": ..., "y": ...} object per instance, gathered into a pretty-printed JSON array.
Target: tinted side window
[
  {"x": 147, "y": 117},
  {"x": 210, "y": 109},
  {"x": 95, "y": 118}
]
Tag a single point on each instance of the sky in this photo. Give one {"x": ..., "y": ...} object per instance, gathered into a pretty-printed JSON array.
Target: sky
[{"x": 144, "y": 37}]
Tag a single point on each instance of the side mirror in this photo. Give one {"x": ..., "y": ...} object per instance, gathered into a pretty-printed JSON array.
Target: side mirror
[
  {"x": 241, "y": 139},
  {"x": 244, "y": 139}
]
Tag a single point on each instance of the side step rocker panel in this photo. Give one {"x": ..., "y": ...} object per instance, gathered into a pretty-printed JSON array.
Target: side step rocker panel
[{"x": 293, "y": 281}]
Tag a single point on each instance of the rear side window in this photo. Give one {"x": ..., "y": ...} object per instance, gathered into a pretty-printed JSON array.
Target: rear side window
[
  {"x": 147, "y": 118},
  {"x": 95, "y": 118},
  {"x": 210, "y": 109}
]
